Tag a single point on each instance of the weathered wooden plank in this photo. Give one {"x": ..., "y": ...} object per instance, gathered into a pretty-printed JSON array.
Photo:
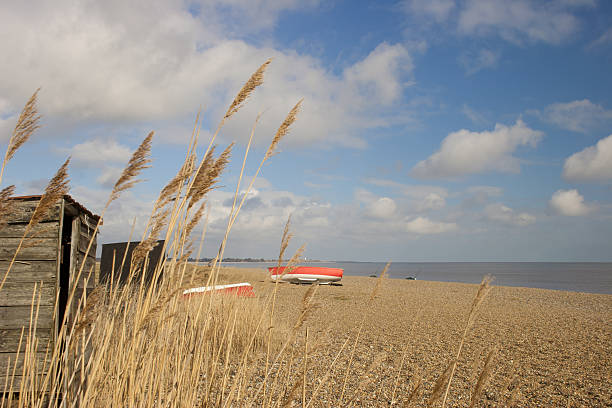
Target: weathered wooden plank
[
  {"x": 23, "y": 210},
  {"x": 30, "y": 271},
  {"x": 41, "y": 230},
  {"x": 7, "y": 360},
  {"x": 9, "y": 340},
  {"x": 20, "y": 294},
  {"x": 89, "y": 263},
  {"x": 34, "y": 249},
  {"x": 16, "y": 317},
  {"x": 84, "y": 242}
]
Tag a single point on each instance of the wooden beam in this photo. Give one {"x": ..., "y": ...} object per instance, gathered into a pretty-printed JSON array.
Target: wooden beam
[
  {"x": 9, "y": 341},
  {"x": 34, "y": 249},
  {"x": 20, "y": 294},
  {"x": 29, "y": 271},
  {"x": 16, "y": 317}
]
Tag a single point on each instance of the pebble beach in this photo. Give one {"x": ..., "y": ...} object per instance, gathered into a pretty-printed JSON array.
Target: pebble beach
[{"x": 551, "y": 348}]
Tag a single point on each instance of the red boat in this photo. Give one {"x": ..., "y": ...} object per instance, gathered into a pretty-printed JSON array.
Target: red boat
[
  {"x": 306, "y": 274},
  {"x": 239, "y": 289}
]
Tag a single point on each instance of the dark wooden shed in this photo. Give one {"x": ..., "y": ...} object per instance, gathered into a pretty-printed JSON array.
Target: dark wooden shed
[{"x": 52, "y": 260}]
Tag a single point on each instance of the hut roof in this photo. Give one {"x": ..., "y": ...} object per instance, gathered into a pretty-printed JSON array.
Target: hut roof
[{"x": 66, "y": 197}]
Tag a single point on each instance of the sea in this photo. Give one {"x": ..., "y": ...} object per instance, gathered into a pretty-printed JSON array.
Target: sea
[{"x": 591, "y": 277}]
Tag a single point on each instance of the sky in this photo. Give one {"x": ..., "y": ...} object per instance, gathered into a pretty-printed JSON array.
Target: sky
[{"x": 431, "y": 130}]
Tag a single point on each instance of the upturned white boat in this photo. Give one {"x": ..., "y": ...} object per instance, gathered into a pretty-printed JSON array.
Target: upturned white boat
[
  {"x": 243, "y": 289},
  {"x": 306, "y": 274}
]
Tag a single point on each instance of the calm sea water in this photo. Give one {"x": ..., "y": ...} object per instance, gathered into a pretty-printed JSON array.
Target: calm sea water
[{"x": 578, "y": 277}]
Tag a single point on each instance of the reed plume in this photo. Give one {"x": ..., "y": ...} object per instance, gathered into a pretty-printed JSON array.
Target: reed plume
[
  {"x": 208, "y": 175},
  {"x": 254, "y": 81},
  {"x": 58, "y": 187},
  {"x": 172, "y": 189},
  {"x": 195, "y": 219},
  {"x": 483, "y": 289},
  {"x": 286, "y": 238},
  {"x": 139, "y": 161},
  {"x": 27, "y": 123},
  {"x": 483, "y": 378},
  {"x": 6, "y": 205},
  {"x": 444, "y": 378},
  {"x": 283, "y": 129}
]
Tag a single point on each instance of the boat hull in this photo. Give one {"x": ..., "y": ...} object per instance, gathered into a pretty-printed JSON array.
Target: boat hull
[
  {"x": 306, "y": 274},
  {"x": 237, "y": 289}
]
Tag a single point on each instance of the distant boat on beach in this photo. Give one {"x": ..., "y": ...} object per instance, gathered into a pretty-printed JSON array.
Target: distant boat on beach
[
  {"x": 244, "y": 289},
  {"x": 306, "y": 274}
]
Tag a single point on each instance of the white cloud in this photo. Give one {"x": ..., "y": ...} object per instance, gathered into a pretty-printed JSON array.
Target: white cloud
[
  {"x": 439, "y": 10},
  {"x": 476, "y": 117},
  {"x": 483, "y": 59},
  {"x": 591, "y": 164},
  {"x": 569, "y": 202},
  {"x": 422, "y": 197},
  {"x": 119, "y": 63},
  {"x": 109, "y": 176},
  {"x": 465, "y": 152},
  {"x": 383, "y": 208},
  {"x": 538, "y": 21},
  {"x": 506, "y": 215},
  {"x": 423, "y": 225},
  {"x": 579, "y": 116},
  {"x": 604, "y": 39},
  {"x": 98, "y": 153}
]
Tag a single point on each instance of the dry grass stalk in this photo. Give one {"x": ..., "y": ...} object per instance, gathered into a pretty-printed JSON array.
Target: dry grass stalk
[
  {"x": 27, "y": 123},
  {"x": 283, "y": 129},
  {"x": 208, "y": 175},
  {"x": 58, "y": 187},
  {"x": 442, "y": 380},
  {"x": 285, "y": 239},
  {"x": 483, "y": 378},
  {"x": 366, "y": 378},
  {"x": 247, "y": 89},
  {"x": 483, "y": 289},
  {"x": 139, "y": 161},
  {"x": 373, "y": 295},
  {"x": 415, "y": 391},
  {"x": 6, "y": 205}
]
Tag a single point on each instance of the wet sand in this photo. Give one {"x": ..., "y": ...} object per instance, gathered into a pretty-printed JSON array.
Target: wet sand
[{"x": 554, "y": 347}]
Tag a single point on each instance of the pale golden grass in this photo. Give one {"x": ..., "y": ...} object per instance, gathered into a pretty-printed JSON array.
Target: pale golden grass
[{"x": 27, "y": 123}]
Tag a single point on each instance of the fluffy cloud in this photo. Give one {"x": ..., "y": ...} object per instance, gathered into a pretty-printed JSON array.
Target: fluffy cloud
[
  {"x": 98, "y": 152},
  {"x": 421, "y": 198},
  {"x": 506, "y": 215},
  {"x": 384, "y": 207},
  {"x": 591, "y": 164},
  {"x": 543, "y": 21},
  {"x": 465, "y": 152},
  {"x": 474, "y": 62},
  {"x": 569, "y": 202},
  {"x": 439, "y": 10},
  {"x": 119, "y": 63},
  {"x": 579, "y": 116},
  {"x": 423, "y": 225}
]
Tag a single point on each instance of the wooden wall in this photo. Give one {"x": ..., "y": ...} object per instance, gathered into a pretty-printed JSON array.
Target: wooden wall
[{"x": 38, "y": 263}]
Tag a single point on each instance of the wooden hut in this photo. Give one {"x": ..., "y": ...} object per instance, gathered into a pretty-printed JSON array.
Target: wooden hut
[{"x": 52, "y": 259}]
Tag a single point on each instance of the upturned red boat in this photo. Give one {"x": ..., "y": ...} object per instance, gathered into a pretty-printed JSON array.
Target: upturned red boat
[
  {"x": 238, "y": 289},
  {"x": 306, "y": 274}
]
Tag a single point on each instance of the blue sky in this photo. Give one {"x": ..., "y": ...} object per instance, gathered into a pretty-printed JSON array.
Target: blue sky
[{"x": 440, "y": 130}]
